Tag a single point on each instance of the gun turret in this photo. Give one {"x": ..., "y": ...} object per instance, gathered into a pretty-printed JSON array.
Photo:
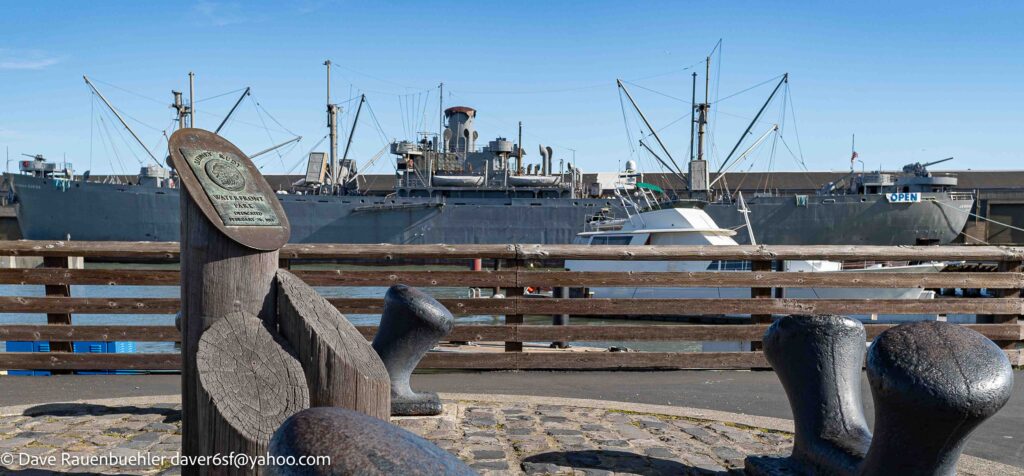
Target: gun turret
[{"x": 921, "y": 170}]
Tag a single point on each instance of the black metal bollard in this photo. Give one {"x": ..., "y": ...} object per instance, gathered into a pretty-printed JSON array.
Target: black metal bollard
[
  {"x": 411, "y": 324},
  {"x": 933, "y": 383},
  {"x": 355, "y": 444},
  {"x": 818, "y": 359}
]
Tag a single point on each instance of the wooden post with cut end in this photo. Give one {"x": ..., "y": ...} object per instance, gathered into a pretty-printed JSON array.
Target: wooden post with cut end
[
  {"x": 231, "y": 229},
  {"x": 341, "y": 367},
  {"x": 248, "y": 385}
]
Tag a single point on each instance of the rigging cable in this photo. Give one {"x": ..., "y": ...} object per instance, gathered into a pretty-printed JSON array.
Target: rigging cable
[{"x": 220, "y": 95}]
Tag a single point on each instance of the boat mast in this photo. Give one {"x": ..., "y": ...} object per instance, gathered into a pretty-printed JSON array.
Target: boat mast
[
  {"x": 123, "y": 122},
  {"x": 232, "y": 111},
  {"x": 332, "y": 126},
  {"x": 693, "y": 111},
  {"x": 702, "y": 109}
]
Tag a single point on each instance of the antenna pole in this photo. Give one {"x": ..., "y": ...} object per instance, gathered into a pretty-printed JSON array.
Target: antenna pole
[
  {"x": 519, "y": 153},
  {"x": 232, "y": 111},
  {"x": 191, "y": 99},
  {"x": 123, "y": 123},
  {"x": 653, "y": 132},
  {"x": 693, "y": 112},
  {"x": 332, "y": 126},
  {"x": 440, "y": 114}
]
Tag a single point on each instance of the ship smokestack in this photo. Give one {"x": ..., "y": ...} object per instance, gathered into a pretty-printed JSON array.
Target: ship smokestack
[{"x": 460, "y": 124}]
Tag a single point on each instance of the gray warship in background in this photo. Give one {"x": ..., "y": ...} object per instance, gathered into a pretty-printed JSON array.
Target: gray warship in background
[{"x": 447, "y": 190}]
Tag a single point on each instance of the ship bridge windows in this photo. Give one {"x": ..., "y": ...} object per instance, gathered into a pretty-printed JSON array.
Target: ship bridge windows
[{"x": 611, "y": 240}]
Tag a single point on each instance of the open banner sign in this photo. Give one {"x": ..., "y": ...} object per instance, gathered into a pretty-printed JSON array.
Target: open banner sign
[{"x": 904, "y": 197}]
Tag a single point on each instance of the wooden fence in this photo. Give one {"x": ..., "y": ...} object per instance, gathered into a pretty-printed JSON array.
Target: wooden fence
[{"x": 1000, "y": 314}]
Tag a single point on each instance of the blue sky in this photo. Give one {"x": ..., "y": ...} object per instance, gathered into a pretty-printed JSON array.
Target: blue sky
[{"x": 913, "y": 81}]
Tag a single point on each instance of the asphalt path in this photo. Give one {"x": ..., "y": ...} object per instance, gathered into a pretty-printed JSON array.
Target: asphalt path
[{"x": 1000, "y": 439}]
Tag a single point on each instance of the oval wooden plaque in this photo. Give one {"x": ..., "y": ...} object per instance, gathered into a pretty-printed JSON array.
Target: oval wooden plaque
[{"x": 229, "y": 189}]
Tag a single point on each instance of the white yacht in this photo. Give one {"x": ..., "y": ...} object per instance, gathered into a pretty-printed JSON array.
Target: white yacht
[{"x": 692, "y": 226}]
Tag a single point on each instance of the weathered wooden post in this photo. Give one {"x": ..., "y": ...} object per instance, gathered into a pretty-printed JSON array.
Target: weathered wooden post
[{"x": 231, "y": 229}]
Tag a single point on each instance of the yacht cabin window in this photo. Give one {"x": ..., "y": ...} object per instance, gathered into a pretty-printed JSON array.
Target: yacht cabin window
[{"x": 611, "y": 240}]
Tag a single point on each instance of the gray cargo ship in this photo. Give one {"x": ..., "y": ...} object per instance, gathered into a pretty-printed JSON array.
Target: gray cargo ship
[{"x": 449, "y": 190}]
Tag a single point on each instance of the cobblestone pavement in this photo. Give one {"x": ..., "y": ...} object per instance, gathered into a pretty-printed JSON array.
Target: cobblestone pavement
[{"x": 493, "y": 438}]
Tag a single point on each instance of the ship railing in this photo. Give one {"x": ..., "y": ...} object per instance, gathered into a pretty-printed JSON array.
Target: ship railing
[
  {"x": 961, "y": 196},
  {"x": 70, "y": 317}
]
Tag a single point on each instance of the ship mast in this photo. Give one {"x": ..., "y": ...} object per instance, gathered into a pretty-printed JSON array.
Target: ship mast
[
  {"x": 332, "y": 126},
  {"x": 191, "y": 99},
  {"x": 698, "y": 180}
]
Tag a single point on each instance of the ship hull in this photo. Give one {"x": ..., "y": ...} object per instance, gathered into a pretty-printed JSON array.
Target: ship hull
[
  {"x": 847, "y": 219},
  {"x": 108, "y": 212}
]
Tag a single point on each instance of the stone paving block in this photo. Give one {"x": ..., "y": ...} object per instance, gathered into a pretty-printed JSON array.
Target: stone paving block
[
  {"x": 15, "y": 442},
  {"x": 489, "y": 465}
]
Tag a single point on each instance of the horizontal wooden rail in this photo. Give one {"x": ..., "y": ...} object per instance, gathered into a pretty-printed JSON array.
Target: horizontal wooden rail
[
  {"x": 485, "y": 332},
  {"x": 113, "y": 277},
  {"x": 76, "y": 305},
  {"x": 72, "y": 361},
  {"x": 169, "y": 250},
  {"x": 738, "y": 279},
  {"x": 516, "y": 278},
  {"x": 105, "y": 333},
  {"x": 704, "y": 306},
  {"x": 441, "y": 360},
  {"x": 582, "y": 307}
]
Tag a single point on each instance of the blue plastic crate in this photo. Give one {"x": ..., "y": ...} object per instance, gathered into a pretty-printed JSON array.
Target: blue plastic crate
[
  {"x": 28, "y": 346},
  {"x": 104, "y": 348},
  {"x": 77, "y": 347}
]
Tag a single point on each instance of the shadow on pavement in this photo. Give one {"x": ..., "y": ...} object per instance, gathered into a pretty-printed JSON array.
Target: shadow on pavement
[
  {"x": 169, "y": 412},
  {"x": 613, "y": 461}
]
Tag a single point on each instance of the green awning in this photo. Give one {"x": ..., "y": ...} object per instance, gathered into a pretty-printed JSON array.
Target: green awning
[{"x": 650, "y": 186}]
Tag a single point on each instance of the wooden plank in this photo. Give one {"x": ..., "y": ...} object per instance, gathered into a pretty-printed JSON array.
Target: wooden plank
[
  {"x": 773, "y": 252},
  {"x": 547, "y": 279},
  {"x": 90, "y": 333},
  {"x": 593, "y": 360},
  {"x": 387, "y": 252},
  {"x": 71, "y": 361},
  {"x": 18, "y": 304},
  {"x": 761, "y": 267},
  {"x": 583, "y": 307},
  {"x": 121, "y": 277},
  {"x": 665, "y": 333},
  {"x": 58, "y": 291},
  {"x": 476, "y": 279},
  {"x": 487, "y": 278},
  {"x": 706, "y": 306},
  {"x": 91, "y": 249}
]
